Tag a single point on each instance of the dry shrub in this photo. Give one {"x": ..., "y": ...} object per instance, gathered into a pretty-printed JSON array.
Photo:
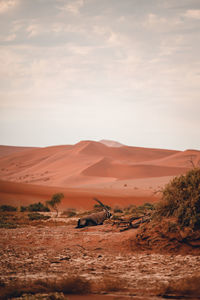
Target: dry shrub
[
  {"x": 66, "y": 285},
  {"x": 73, "y": 285},
  {"x": 17, "y": 289},
  {"x": 117, "y": 209},
  {"x": 7, "y": 208},
  {"x": 69, "y": 213},
  {"x": 112, "y": 284},
  {"x": 181, "y": 199},
  {"x": 37, "y": 216},
  {"x": 188, "y": 286}
]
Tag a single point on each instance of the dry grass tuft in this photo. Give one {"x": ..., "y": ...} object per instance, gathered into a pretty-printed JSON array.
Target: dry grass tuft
[
  {"x": 112, "y": 284},
  {"x": 66, "y": 285},
  {"x": 73, "y": 285},
  {"x": 69, "y": 213},
  {"x": 187, "y": 287}
]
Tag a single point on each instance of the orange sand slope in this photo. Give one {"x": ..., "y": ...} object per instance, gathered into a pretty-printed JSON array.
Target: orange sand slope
[
  {"x": 13, "y": 193},
  {"x": 105, "y": 169},
  {"x": 6, "y": 150}
]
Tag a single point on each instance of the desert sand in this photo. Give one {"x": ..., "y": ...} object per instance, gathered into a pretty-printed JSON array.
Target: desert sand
[
  {"x": 45, "y": 254},
  {"x": 138, "y": 263},
  {"x": 117, "y": 174}
]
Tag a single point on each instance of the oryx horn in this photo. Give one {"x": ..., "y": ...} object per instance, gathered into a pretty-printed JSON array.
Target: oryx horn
[{"x": 101, "y": 204}]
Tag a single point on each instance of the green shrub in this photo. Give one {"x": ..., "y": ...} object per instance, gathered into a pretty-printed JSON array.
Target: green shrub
[
  {"x": 7, "y": 208},
  {"x": 36, "y": 216},
  {"x": 23, "y": 208},
  {"x": 35, "y": 207},
  {"x": 38, "y": 207},
  {"x": 181, "y": 199}
]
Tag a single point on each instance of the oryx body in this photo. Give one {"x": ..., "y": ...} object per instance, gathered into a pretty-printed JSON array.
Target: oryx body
[{"x": 95, "y": 218}]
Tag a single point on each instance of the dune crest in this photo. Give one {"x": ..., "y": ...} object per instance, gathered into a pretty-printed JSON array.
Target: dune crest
[
  {"x": 111, "y": 143},
  {"x": 94, "y": 166},
  {"x": 90, "y": 162}
]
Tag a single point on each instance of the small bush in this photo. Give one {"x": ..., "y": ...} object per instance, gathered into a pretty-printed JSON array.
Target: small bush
[
  {"x": 117, "y": 210},
  {"x": 35, "y": 207},
  {"x": 38, "y": 207},
  {"x": 69, "y": 213},
  {"x": 7, "y": 208},
  {"x": 37, "y": 216},
  {"x": 23, "y": 208},
  {"x": 181, "y": 199},
  {"x": 8, "y": 225}
]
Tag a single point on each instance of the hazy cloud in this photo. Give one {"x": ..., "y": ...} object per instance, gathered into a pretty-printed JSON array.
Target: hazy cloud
[
  {"x": 72, "y": 7},
  {"x": 193, "y": 13},
  {"x": 6, "y": 5}
]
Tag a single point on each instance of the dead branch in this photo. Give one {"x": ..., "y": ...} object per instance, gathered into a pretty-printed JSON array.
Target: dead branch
[
  {"x": 128, "y": 224},
  {"x": 191, "y": 160}
]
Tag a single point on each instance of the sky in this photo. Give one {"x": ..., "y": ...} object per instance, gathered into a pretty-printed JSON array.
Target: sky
[{"x": 124, "y": 70}]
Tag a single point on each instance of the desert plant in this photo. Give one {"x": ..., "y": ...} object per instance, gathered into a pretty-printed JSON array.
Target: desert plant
[
  {"x": 37, "y": 216},
  {"x": 55, "y": 201},
  {"x": 149, "y": 206},
  {"x": 117, "y": 210},
  {"x": 23, "y": 208},
  {"x": 35, "y": 207},
  {"x": 181, "y": 199},
  {"x": 69, "y": 213},
  {"x": 7, "y": 208}
]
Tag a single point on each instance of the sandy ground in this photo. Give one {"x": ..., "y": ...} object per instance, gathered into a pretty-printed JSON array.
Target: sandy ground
[
  {"x": 118, "y": 175},
  {"x": 95, "y": 253}
]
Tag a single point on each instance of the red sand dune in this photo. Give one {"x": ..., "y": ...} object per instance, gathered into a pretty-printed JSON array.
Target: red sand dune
[
  {"x": 13, "y": 193},
  {"x": 87, "y": 169},
  {"x": 6, "y": 150}
]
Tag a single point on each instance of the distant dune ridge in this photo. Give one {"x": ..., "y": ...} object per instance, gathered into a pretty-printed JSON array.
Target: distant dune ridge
[{"x": 108, "y": 169}]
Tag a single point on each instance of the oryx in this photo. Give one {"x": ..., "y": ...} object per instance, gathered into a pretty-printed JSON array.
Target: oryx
[{"x": 95, "y": 218}]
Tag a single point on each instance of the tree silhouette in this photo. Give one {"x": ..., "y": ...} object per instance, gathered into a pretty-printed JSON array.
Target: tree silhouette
[{"x": 55, "y": 201}]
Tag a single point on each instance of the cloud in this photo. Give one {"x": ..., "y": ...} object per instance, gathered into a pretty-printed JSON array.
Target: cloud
[
  {"x": 193, "y": 14},
  {"x": 33, "y": 30},
  {"x": 155, "y": 20},
  {"x": 159, "y": 23},
  {"x": 10, "y": 37},
  {"x": 72, "y": 7},
  {"x": 5, "y": 5}
]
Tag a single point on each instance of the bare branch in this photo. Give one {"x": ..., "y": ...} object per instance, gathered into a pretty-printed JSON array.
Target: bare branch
[{"x": 192, "y": 161}]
